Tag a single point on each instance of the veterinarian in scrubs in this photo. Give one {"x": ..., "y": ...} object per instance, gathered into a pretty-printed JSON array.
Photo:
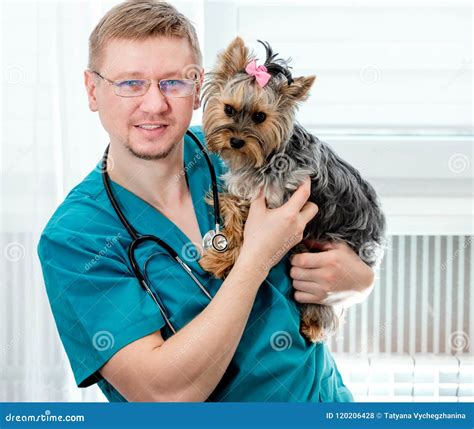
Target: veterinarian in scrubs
[{"x": 108, "y": 324}]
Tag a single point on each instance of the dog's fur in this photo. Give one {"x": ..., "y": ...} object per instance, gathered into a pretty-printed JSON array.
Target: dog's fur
[{"x": 277, "y": 154}]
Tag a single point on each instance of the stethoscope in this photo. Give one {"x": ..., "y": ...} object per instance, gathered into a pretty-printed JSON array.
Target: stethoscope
[{"x": 212, "y": 239}]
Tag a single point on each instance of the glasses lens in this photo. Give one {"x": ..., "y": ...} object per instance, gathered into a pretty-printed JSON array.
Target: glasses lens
[
  {"x": 131, "y": 88},
  {"x": 177, "y": 87}
]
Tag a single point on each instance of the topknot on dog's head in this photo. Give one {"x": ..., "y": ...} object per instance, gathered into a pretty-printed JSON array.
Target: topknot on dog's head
[
  {"x": 235, "y": 58},
  {"x": 276, "y": 66},
  {"x": 230, "y": 72}
]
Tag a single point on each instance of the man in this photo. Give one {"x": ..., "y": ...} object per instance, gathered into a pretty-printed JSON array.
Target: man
[{"x": 244, "y": 345}]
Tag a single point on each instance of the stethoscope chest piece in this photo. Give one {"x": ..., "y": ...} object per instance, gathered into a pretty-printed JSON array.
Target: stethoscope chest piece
[{"x": 215, "y": 240}]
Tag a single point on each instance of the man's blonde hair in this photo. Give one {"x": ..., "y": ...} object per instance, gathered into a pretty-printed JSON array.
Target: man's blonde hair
[{"x": 140, "y": 19}]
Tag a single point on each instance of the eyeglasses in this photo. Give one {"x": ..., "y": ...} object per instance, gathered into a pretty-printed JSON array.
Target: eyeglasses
[{"x": 175, "y": 88}]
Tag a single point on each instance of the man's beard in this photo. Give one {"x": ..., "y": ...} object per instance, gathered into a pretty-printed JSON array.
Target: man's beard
[{"x": 151, "y": 157}]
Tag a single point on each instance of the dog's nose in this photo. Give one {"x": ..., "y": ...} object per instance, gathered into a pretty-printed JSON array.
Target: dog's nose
[{"x": 237, "y": 143}]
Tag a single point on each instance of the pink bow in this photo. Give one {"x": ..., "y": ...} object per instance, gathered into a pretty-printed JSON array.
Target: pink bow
[{"x": 259, "y": 72}]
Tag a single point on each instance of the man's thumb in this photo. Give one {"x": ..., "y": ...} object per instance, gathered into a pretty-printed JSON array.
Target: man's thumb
[{"x": 259, "y": 201}]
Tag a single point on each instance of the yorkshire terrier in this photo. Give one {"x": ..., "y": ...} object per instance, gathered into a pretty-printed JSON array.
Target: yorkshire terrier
[{"x": 249, "y": 120}]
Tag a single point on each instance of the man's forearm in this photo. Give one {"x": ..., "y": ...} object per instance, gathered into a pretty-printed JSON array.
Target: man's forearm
[{"x": 192, "y": 362}]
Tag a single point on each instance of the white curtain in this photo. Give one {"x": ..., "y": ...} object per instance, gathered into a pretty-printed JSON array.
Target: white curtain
[{"x": 49, "y": 142}]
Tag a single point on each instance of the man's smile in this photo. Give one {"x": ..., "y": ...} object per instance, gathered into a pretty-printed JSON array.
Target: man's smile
[{"x": 150, "y": 129}]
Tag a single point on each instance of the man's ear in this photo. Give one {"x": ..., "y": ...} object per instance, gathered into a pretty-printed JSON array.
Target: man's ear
[
  {"x": 233, "y": 60},
  {"x": 299, "y": 89},
  {"x": 90, "y": 80},
  {"x": 197, "y": 92}
]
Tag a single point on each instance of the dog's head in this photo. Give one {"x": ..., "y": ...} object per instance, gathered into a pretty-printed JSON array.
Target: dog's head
[{"x": 249, "y": 110}]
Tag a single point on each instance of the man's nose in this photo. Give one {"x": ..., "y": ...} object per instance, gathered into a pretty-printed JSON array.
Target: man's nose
[{"x": 153, "y": 101}]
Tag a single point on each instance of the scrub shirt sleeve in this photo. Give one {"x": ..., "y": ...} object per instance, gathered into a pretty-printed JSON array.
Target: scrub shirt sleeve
[{"x": 98, "y": 305}]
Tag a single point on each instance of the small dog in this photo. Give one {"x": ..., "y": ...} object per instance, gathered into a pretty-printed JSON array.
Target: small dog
[{"x": 249, "y": 120}]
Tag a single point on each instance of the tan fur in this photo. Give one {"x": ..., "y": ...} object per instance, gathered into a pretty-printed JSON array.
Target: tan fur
[
  {"x": 299, "y": 89},
  {"x": 234, "y": 213},
  {"x": 233, "y": 59}
]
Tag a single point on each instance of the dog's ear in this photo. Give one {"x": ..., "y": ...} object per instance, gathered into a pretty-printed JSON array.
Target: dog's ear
[
  {"x": 298, "y": 90},
  {"x": 233, "y": 60}
]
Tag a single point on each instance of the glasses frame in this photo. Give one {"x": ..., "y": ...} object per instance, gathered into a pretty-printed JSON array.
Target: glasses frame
[{"x": 114, "y": 84}]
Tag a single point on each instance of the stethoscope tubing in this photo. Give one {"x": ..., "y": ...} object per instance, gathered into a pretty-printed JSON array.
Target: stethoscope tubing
[{"x": 138, "y": 239}]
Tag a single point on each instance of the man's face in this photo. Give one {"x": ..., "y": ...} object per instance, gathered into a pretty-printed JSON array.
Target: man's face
[{"x": 123, "y": 118}]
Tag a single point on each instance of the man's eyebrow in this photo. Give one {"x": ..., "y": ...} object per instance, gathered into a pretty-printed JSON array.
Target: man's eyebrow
[{"x": 140, "y": 75}]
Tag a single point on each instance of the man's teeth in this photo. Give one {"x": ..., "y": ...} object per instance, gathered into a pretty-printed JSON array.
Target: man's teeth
[{"x": 149, "y": 127}]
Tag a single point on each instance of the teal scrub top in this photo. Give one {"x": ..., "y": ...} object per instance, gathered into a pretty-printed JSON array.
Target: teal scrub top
[{"x": 99, "y": 306}]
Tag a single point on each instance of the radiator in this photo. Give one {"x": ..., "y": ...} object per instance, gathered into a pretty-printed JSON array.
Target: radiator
[
  {"x": 410, "y": 341},
  {"x": 421, "y": 301}
]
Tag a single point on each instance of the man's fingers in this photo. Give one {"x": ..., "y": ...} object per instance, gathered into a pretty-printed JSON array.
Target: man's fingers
[
  {"x": 309, "y": 211},
  {"x": 309, "y": 298},
  {"x": 311, "y": 260},
  {"x": 305, "y": 260},
  {"x": 303, "y": 286},
  {"x": 300, "y": 196},
  {"x": 259, "y": 202},
  {"x": 301, "y": 274}
]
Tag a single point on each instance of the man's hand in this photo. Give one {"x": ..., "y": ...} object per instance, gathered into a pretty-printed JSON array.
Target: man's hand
[{"x": 334, "y": 276}]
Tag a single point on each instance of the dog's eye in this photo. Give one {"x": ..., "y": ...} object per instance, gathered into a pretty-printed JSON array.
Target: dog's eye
[
  {"x": 258, "y": 117},
  {"x": 229, "y": 110}
]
